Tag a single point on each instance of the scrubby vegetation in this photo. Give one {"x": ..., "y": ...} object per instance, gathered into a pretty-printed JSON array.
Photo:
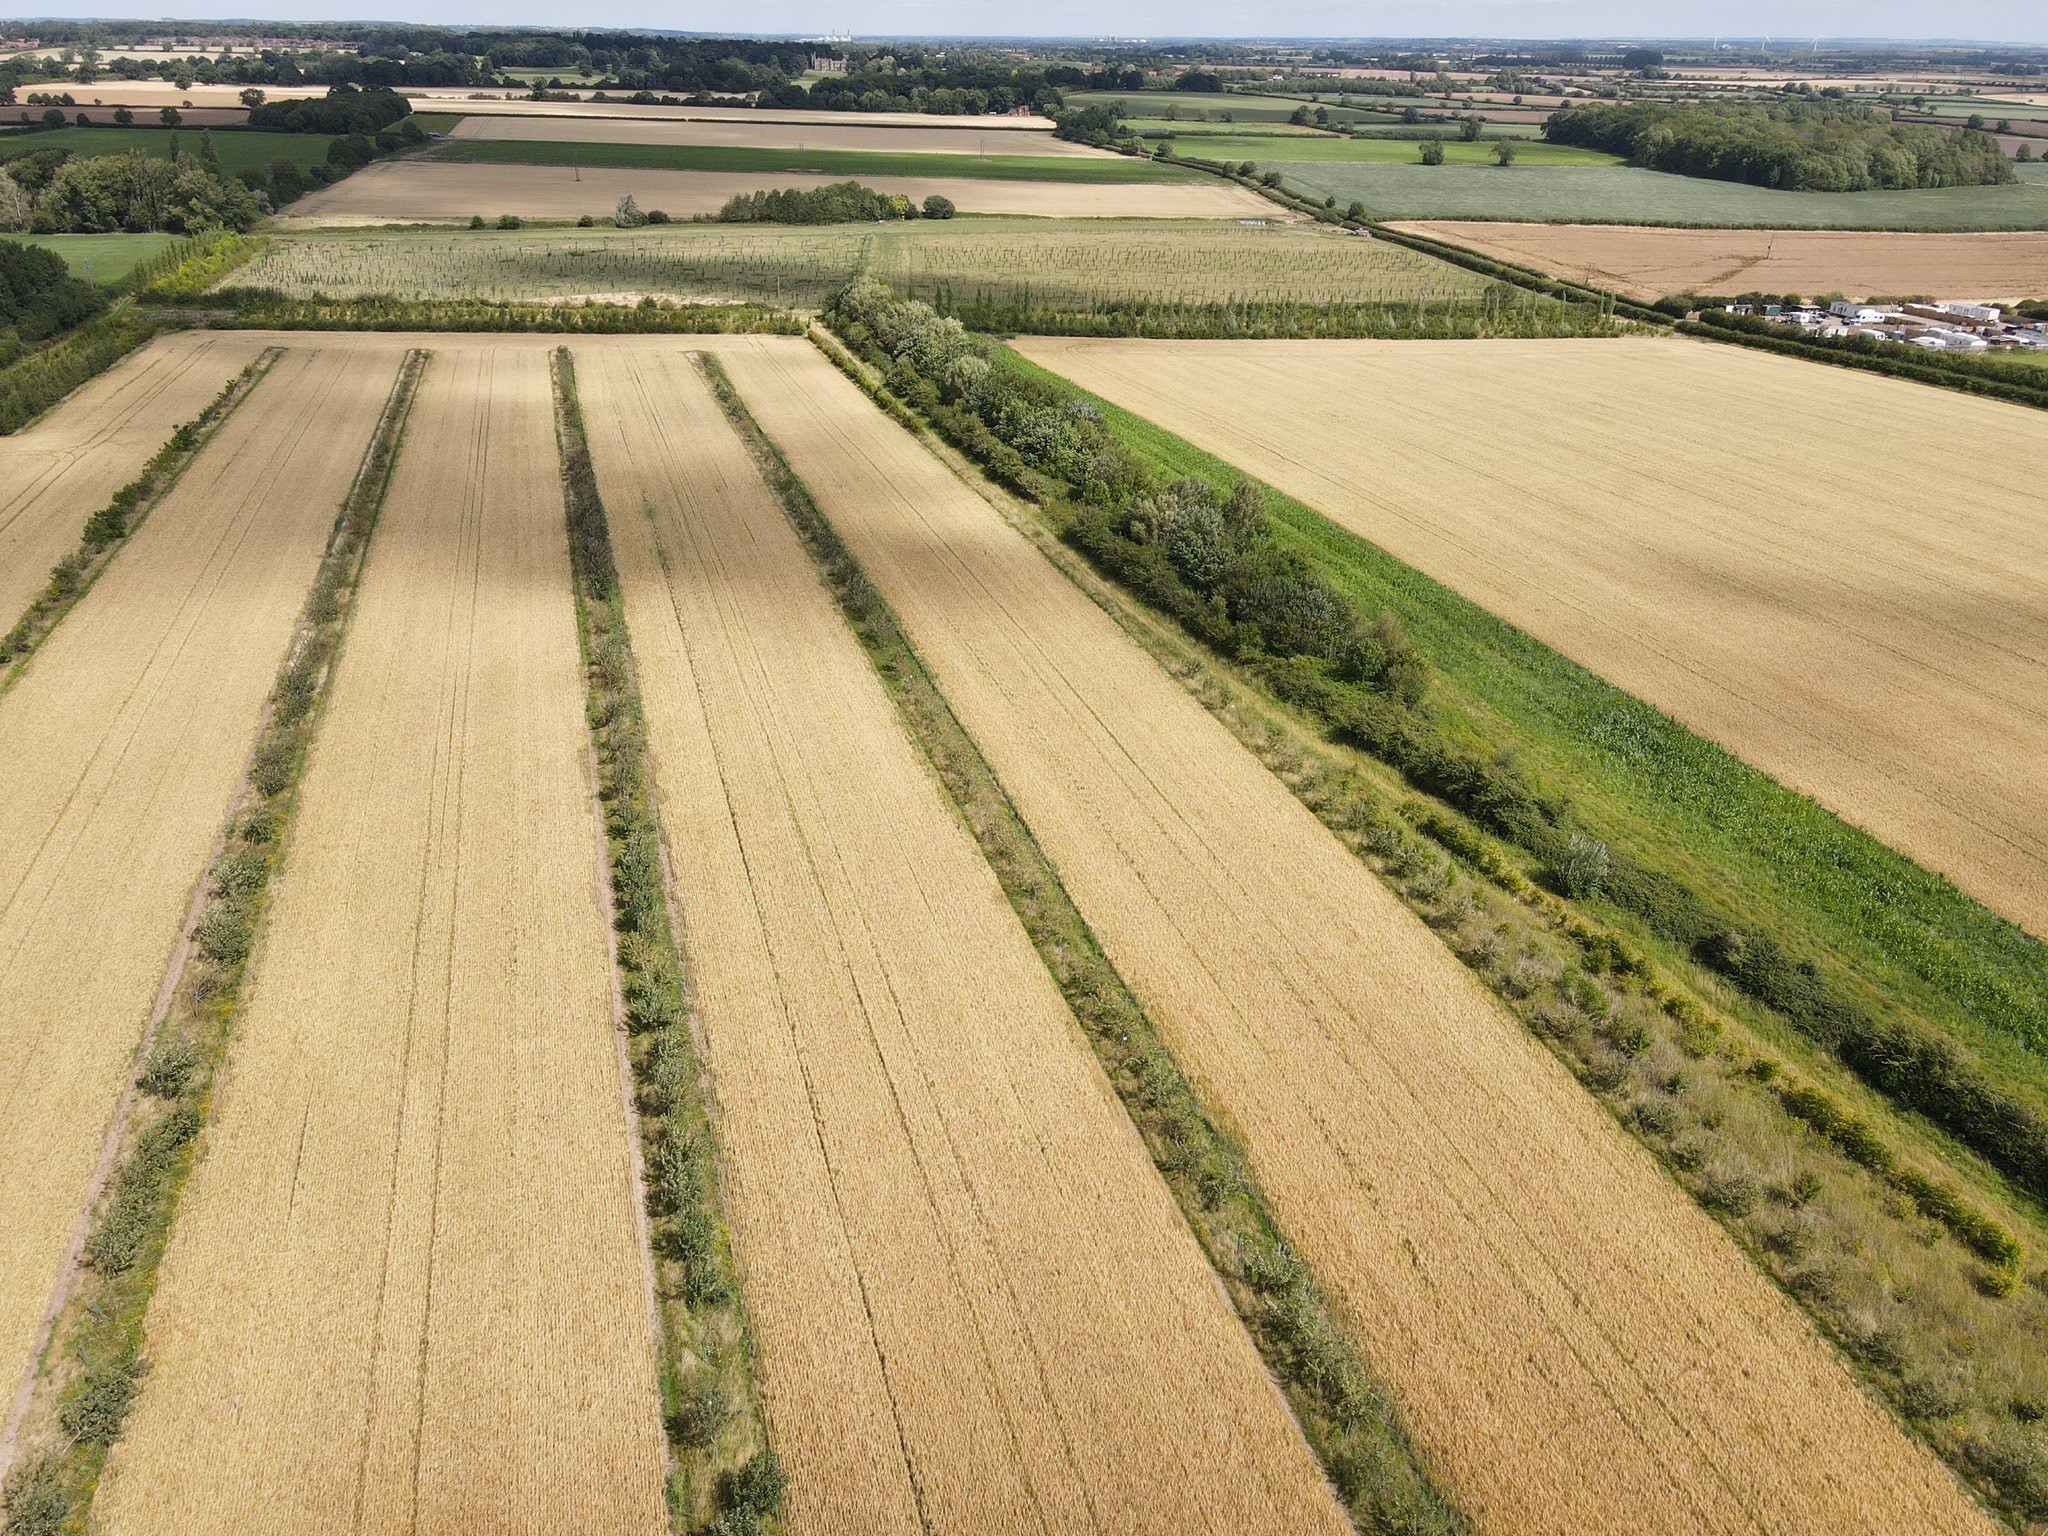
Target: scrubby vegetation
[
  {"x": 39, "y": 297},
  {"x": 1796, "y": 146}
]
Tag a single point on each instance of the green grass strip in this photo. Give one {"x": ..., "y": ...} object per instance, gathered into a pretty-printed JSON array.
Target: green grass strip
[
  {"x": 726, "y": 1479},
  {"x": 840, "y": 163},
  {"x": 109, "y": 528},
  {"x": 94, "y": 1365},
  {"x": 1348, "y": 1418}
]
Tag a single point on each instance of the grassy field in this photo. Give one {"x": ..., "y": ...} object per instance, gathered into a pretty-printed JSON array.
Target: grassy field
[
  {"x": 1626, "y": 195},
  {"x": 854, "y": 163},
  {"x": 1054, "y": 262},
  {"x": 237, "y": 149},
  {"x": 1199, "y": 105},
  {"x": 102, "y": 258},
  {"x": 1527, "y": 1269},
  {"x": 1331, "y": 149}
]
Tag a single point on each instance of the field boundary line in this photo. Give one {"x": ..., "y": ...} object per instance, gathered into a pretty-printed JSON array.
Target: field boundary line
[
  {"x": 110, "y": 528},
  {"x": 1350, "y": 1423},
  {"x": 89, "y": 1364},
  {"x": 722, "y": 1469},
  {"x": 1606, "y": 1009}
]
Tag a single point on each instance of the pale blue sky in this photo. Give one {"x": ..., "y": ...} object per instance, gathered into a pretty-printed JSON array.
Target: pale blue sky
[{"x": 1982, "y": 20}]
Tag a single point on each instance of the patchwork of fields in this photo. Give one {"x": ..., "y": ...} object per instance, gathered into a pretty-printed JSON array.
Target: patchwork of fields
[
  {"x": 1771, "y": 578},
  {"x": 923, "y": 136},
  {"x": 1649, "y": 263}
]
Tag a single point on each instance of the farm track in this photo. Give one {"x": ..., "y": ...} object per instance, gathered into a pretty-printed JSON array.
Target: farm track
[
  {"x": 408, "y": 1255},
  {"x": 1870, "y": 628},
  {"x": 977, "y": 1307},
  {"x": 124, "y": 739},
  {"x": 1519, "y": 1272},
  {"x": 59, "y": 471}
]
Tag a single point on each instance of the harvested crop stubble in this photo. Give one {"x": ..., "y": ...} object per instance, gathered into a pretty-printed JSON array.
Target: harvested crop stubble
[
  {"x": 1649, "y": 263},
  {"x": 60, "y": 471},
  {"x": 123, "y": 742},
  {"x": 408, "y": 1257},
  {"x": 405, "y": 191},
  {"x": 1576, "y": 1346},
  {"x": 934, "y": 136},
  {"x": 977, "y": 1307},
  {"x": 1834, "y": 576}
]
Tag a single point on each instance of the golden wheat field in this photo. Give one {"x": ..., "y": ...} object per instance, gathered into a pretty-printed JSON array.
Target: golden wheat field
[
  {"x": 1841, "y": 578},
  {"x": 124, "y": 741},
  {"x": 978, "y": 1310},
  {"x": 1577, "y": 1347},
  {"x": 426, "y": 191},
  {"x": 1649, "y": 263},
  {"x": 57, "y": 472},
  {"x": 405, "y": 1291}
]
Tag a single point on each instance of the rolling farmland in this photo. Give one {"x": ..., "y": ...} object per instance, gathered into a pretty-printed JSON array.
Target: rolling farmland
[
  {"x": 408, "y": 1258},
  {"x": 1520, "y": 1273},
  {"x": 930, "y": 136},
  {"x": 124, "y": 740},
  {"x": 1864, "y": 626},
  {"x": 977, "y": 1308},
  {"x": 1649, "y": 263},
  {"x": 65, "y": 467}
]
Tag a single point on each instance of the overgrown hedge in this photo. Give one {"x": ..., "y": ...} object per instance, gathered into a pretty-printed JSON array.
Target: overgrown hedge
[{"x": 1045, "y": 441}]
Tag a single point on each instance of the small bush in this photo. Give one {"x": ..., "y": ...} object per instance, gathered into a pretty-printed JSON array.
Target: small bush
[
  {"x": 510, "y": 221},
  {"x": 1583, "y": 867},
  {"x": 95, "y": 1414},
  {"x": 2015, "y": 1457}
]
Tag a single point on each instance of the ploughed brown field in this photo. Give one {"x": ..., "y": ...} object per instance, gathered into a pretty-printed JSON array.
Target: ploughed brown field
[
  {"x": 57, "y": 472},
  {"x": 1645, "y": 263},
  {"x": 424, "y": 191},
  {"x": 1841, "y": 578},
  {"x": 124, "y": 740},
  {"x": 1577, "y": 1347},
  {"x": 405, "y": 1291},
  {"x": 976, "y": 1306}
]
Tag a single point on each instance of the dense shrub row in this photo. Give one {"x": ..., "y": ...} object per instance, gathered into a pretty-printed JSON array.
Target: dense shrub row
[
  {"x": 843, "y": 202},
  {"x": 1504, "y": 311},
  {"x": 39, "y": 297},
  {"x": 1808, "y": 146},
  {"x": 36, "y": 382},
  {"x": 1192, "y": 551}
]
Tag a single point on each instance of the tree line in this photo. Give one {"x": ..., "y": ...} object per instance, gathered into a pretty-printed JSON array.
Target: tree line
[{"x": 1800, "y": 146}]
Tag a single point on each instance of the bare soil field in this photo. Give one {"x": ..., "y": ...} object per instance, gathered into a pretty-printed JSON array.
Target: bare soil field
[
  {"x": 1649, "y": 263},
  {"x": 405, "y": 1291},
  {"x": 123, "y": 742},
  {"x": 977, "y": 1308},
  {"x": 421, "y": 191},
  {"x": 1577, "y": 1347},
  {"x": 1826, "y": 572},
  {"x": 935, "y": 135},
  {"x": 57, "y": 472}
]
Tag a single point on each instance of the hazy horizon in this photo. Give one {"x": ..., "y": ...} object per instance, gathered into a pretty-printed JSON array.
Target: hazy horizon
[{"x": 1839, "y": 21}]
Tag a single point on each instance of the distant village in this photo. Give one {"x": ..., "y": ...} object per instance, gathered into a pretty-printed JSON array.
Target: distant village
[{"x": 1951, "y": 327}]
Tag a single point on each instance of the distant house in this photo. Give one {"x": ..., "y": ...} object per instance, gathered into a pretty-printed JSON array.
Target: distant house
[
  {"x": 1854, "y": 313},
  {"x": 1739, "y": 309},
  {"x": 822, "y": 65}
]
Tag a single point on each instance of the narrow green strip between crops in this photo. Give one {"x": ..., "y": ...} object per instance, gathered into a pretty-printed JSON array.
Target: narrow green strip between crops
[
  {"x": 830, "y": 162},
  {"x": 108, "y": 529},
  {"x": 94, "y": 1365},
  {"x": 726, "y": 1479},
  {"x": 1350, "y": 1422}
]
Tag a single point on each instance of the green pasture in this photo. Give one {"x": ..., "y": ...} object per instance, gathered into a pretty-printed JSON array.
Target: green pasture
[
  {"x": 237, "y": 149},
  {"x": 1330, "y": 149},
  {"x": 1619, "y": 194},
  {"x": 829, "y": 162},
  {"x": 101, "y": 258}
]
